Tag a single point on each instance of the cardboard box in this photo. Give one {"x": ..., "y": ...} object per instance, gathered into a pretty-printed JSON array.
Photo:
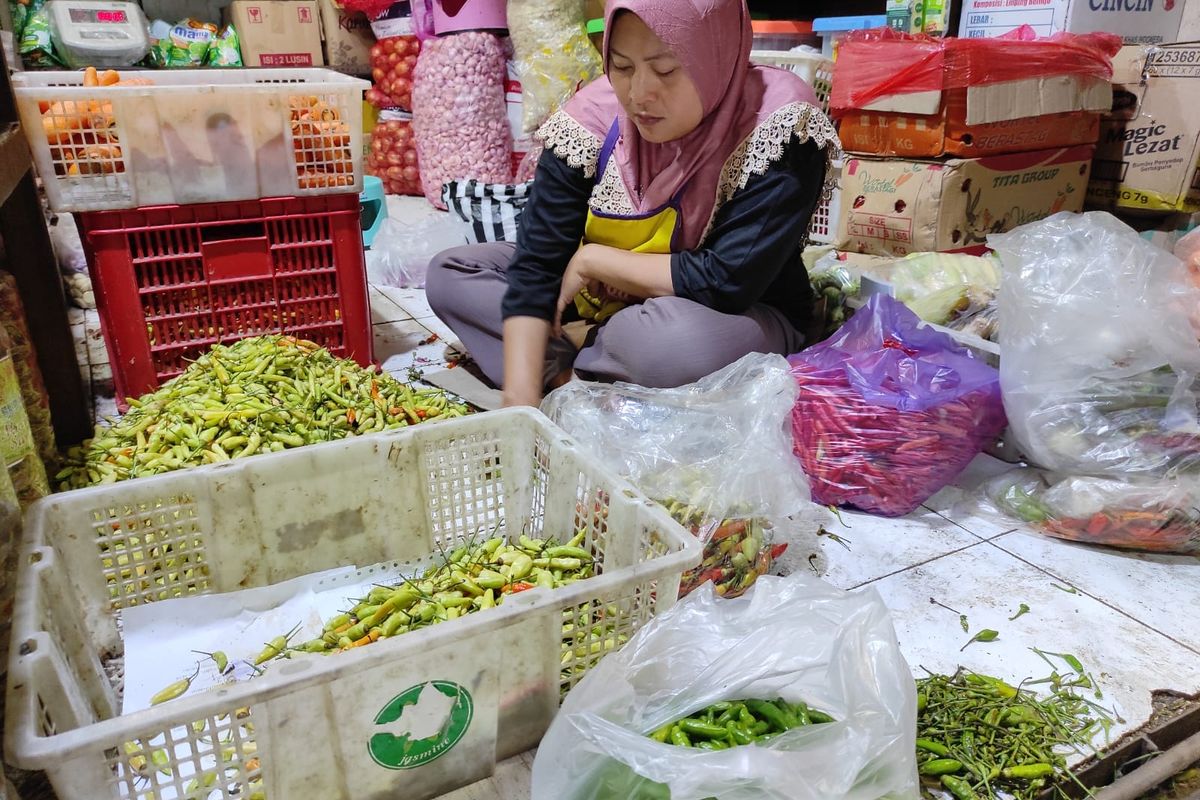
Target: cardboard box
[
  {"x": 278, "y": 33},
  {"x": 1135, "y": 21},
  {"x": 1147, "y": 157},
  {"x": 956, "y": 114},
  {"x": 892, "y": 207},
  {"x": 348, "y": 39}
]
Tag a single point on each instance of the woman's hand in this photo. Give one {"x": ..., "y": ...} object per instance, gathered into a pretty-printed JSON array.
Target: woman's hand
[{"x": 575, "y": 278}]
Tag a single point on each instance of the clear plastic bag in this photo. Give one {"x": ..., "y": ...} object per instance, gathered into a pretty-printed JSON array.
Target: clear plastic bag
[
  {"x": 553, "y": 53},
  {"x": 795, "y": 638},
  {"x": 1159, "y": 516},
  {"x": 890, "y": 411},
  {"x": 717, "y": 453},
  {"x": 400, "y": 254},
  {"x": 1099, "y": 358},
  {"x": 942, "y": 287}
]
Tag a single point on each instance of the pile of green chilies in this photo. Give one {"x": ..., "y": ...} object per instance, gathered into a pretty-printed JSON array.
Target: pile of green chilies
[
  {"x": 258, "y": 395},
  {"x": 979, "y": 737},
  {"x": 728, "y": 724}
]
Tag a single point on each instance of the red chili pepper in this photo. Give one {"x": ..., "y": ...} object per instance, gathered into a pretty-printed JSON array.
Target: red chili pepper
[
  {"x": 778, "y": 550},
  {"x": 513, "y": 588}
]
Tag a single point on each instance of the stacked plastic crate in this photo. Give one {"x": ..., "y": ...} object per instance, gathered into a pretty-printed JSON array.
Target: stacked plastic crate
[{"x": 213, "y": 205}]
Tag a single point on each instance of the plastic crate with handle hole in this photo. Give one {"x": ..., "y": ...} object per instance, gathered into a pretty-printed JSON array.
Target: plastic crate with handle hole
[
  {"x": 306, "y": 727},
  {"x": 817, "y": 71},
  {"x": 171, "y": 282},
  {"x": 192, "y": 136}
]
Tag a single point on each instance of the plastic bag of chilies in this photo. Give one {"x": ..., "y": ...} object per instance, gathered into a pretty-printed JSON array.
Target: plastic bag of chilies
[
  {"x": 795, "y": 638},
  {"x": 889, "y": 411},
  {"x": 1099, "y": 365},
  {"x": 716, "y": 453}
]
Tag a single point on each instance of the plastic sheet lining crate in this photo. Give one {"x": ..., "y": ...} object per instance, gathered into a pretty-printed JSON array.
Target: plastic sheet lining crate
[
  {"x": 307, "y": 725},
  {"x": 173, "y": 281},
  {"x": 192, "y": 136}
]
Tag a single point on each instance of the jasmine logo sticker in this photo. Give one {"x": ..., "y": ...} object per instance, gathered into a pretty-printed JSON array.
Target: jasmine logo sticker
[{"x": 422, "y": 723}]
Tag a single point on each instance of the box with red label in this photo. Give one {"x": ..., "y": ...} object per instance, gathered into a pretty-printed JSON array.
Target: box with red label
[
  {"x": 894, "y": 207},
  {"x": 924, "y": 97},
  {"x": 278, "y": 33}
]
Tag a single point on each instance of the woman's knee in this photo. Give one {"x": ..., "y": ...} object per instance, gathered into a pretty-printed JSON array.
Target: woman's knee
[
  {"x": 656, "y": 342},
  {"x": 444, "y": 268}
]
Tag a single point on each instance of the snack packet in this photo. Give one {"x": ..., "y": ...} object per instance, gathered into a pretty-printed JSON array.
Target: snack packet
[
  {"x": 185, "y": 45},
  {"x": 225, "y": 50}
]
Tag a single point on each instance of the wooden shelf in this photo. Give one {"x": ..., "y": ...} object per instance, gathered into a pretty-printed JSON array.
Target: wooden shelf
[{"x": 14, "y": 158}]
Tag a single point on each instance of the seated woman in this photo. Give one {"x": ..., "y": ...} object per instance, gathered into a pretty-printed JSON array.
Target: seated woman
[{"x": 689, "y": 176}]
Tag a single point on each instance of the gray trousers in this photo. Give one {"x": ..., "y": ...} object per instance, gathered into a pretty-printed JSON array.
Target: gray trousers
[{"x": 660, "y": 342}]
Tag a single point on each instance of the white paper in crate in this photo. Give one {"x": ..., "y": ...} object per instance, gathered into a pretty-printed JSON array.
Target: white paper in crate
[
  {"x": 797, "y": 638},
  {"x": 164, "y": 640}
]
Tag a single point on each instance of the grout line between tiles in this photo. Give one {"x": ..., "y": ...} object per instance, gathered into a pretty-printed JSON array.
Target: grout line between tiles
[
  {"x": 929, "y": 560},
  {"x": 960, "y": 526},
  {"x": 1100, "y": 600}
]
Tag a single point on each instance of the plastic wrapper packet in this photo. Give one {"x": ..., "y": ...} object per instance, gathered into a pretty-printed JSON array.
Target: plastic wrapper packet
[
  {"x": 1099, "y": 359},
  {"x": 460, "y": 116},
  {"x": 890, "y": 411},
  {"x": 1157, "y": 516},
  {"x": 225, "y": 50},
  {"x": 185, "y": 45},
  {"x": 34, "y": 44},
  {"x": 716, "y": 453},
  {"x": 553, "y": 53},
  {"x": 794, "y": 638}
]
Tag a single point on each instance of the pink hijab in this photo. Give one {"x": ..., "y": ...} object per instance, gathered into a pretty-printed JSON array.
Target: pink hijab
[{"x": 712, "y": 40}]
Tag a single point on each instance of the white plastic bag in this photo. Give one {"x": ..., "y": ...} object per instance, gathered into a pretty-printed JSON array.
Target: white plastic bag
[
  {"x": 717, "y": 453},
  {"x": 794, "y": 638},
  {"x": 400, "y": 254},
  {"x": 1098, "y": 356}
]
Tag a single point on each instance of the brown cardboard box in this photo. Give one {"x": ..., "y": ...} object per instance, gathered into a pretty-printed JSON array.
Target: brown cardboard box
[
  {"x": 944, "y": 107},
  {"x": 348, "y": 39},
  {"x": 1150, "y": 160},
  {"x": 278, "y": 33},
  {"x": 892, "y": 207}
]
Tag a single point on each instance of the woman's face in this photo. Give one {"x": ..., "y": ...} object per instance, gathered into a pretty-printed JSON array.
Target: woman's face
[{"x": 650, "y": 82}]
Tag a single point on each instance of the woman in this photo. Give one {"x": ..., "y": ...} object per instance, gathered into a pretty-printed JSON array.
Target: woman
[{"x": 689, "y": 176}]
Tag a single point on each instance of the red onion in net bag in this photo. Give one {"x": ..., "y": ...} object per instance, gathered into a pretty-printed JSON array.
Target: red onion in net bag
[
  {"x": 460, "y": 116},
  {"x": 889, "y": 412},
  {"x": 393, "y": 157}
]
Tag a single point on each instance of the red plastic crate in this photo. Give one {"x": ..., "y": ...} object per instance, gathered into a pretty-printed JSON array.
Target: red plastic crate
[{"x": 172, "y": 281}]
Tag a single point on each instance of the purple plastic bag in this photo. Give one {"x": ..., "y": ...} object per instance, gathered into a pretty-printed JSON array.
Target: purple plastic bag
[
  {"x": 889, "y": 411},
  {"x": 893, "y": 361}
]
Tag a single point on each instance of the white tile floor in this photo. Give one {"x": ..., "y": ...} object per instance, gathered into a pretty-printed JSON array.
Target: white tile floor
[{"x": 1132, "y": 619}]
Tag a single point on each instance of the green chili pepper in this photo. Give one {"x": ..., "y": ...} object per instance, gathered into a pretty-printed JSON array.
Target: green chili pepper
[
  {"x": 933, "y": 747},
  {"x": 1028, "y": 772},
  {"x": 663, "y": 733},
  {"x": 695, "y": 727},
  {"x": 959, "y": 787},
  {"x": 679, "y": 738},
  {"x": 771, "y": 714},
  {"x": 174, "y": 690},
  {"x": 941, "y": 766}
]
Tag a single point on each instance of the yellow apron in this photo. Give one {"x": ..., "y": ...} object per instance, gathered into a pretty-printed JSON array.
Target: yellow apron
[{"x": 645, "y": 233}]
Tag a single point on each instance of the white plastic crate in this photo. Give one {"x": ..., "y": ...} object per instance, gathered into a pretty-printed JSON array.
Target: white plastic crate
[
  {"x": 814, "y": 68},
  {"x": 822, "y": 229},
  {"x": 306, "y": 726},
  {"x": 194, "y": 136}
]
